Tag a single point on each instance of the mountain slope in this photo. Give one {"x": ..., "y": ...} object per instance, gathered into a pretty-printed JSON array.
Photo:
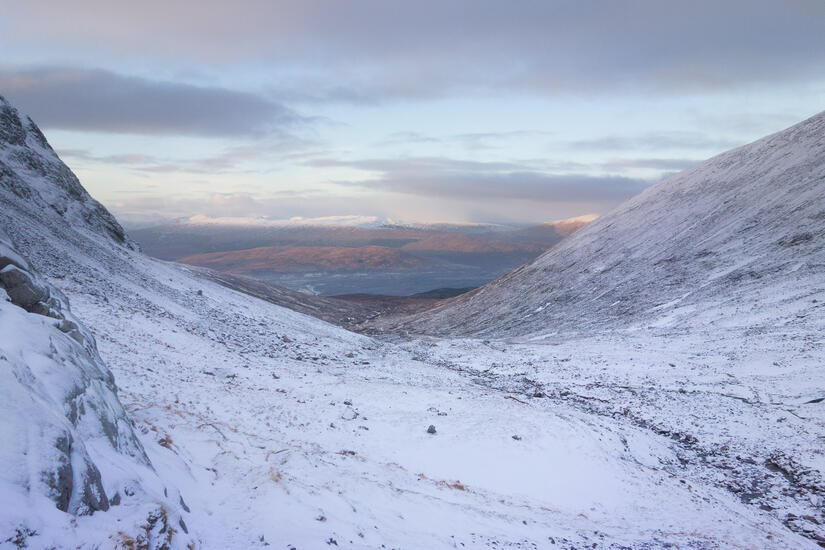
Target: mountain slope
[{"x": 738, "y": 238}]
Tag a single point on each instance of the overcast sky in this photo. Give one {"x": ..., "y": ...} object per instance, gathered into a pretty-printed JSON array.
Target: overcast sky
[{"x": 417, "y": 111}]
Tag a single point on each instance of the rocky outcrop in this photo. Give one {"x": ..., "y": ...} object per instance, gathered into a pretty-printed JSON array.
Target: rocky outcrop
[
  {"x": 65, "y": 437},
  {"x": 33, "y": 172},
  {"x": 69, "y": 379}
]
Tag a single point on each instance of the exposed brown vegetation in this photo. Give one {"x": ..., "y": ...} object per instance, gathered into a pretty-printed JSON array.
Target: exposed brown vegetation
[{"x": 297, "y": 259}]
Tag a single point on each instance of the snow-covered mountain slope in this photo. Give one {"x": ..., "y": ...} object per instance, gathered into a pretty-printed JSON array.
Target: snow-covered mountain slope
[
  {"x": 338, "y": 312},
  {"x": 33, "y": 175},
  {"x": 281, "y": 430},
  {"x": 739, "y": 238}
]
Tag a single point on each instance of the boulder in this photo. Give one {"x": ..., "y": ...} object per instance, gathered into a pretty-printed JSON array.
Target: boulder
[{"x": 22, "y": 288}]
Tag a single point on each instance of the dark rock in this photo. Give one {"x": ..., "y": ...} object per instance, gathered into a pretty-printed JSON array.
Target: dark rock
[
  {"x": 21, "y": 287},
  {"x": 18, "y": 539},
  {"x": 89, "y": 496},
  {"x": 92, "y": 497},
  {"x": 11, "y": 129},
  {"x": 349, "y": 414},
  {"x": 431, "y": 429},
  {"x": 10, "y": 180},
  {"x": 60, "y": 479}
]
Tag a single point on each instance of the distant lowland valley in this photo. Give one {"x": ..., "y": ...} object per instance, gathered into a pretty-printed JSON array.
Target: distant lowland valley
[{"x": 353, "y": 260}]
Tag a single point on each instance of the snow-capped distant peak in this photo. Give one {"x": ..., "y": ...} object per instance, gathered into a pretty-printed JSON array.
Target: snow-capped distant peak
[
  {"x": 295, "y": 221},
  {"x": 586, "y": 218}
]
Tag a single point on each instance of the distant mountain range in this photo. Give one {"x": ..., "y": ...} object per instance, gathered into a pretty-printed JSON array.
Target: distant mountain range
[
  {"x": 299, "y": 259},
  {"x": 389, "y": 259}
]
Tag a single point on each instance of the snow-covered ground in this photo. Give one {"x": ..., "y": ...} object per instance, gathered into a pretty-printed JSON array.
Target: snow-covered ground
[
  {"x": 268, "y": 427},
  {"x": 279, "y": 426}
]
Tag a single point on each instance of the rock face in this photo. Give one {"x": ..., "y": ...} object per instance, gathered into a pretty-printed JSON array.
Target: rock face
[
  {"x": 68, "y": 449},
  {"x": 741, "y": 236},
  {"x": 31, "y": 170},
  {"x": 64, "y": 473},
  {"x": 65, "y": 436}
]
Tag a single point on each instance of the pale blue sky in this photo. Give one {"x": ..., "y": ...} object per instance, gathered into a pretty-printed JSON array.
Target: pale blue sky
[{"x": 418, "y": 111}]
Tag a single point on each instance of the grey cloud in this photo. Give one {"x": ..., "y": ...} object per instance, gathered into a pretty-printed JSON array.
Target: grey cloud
[
  {"x": 442, "y": 178},
  {"x": 98, "y": 100},
  {"x": 231, "y": 159},
  {"x": 513, "y": 185},
  {"x": 314, "y": 91},
  {"x": 133, "y": 161},
  {"x": 373, "y": 49},
  {"x": 125, "y": 158}
]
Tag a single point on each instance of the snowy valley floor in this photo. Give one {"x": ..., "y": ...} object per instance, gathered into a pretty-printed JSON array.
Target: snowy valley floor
[{"x": 284, "y": 431}]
